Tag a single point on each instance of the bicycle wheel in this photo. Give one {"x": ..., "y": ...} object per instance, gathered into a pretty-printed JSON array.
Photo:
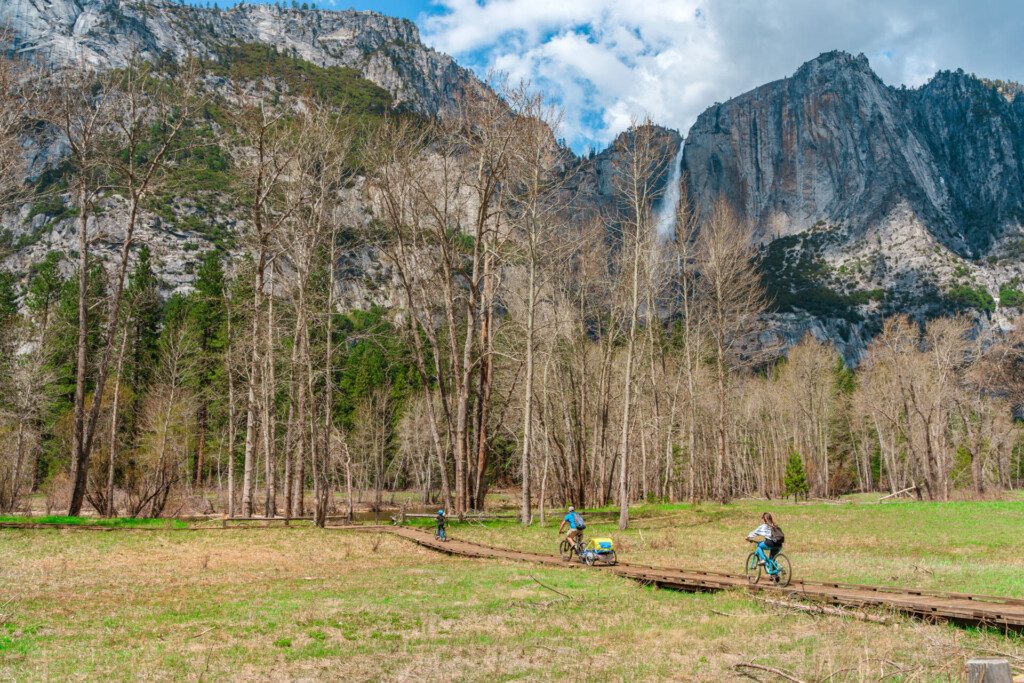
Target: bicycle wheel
[
  {"x": 589, "y": 558},
  {"x": 610, "y": 558},
  {"x": 753, "y": 568},
  {"x": 785, "y": 570},
  {"x": 565, "y": 550}
]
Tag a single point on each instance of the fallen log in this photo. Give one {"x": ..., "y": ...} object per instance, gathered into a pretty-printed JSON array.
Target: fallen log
[
  {"x": 826, "y": 610},
  {"x": 898, "y": 493},
  {"x": 769, "y": 669}
]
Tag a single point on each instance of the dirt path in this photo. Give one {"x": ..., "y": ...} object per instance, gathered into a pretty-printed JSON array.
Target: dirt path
[{"x": 994, "y": 611}]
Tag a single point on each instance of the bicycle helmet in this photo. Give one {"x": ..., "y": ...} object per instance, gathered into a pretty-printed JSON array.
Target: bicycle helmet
[
  {"x": 572, "y": 509},
  {"x": 440, "y": 512}
]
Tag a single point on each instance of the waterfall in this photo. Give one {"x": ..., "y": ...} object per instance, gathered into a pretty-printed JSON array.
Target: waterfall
[{"x": 665, "y": 217}]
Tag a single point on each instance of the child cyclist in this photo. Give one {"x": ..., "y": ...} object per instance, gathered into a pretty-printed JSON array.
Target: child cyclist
[
  {"x": 772, "y": 538},
  {"x": 441, "y": 522}
]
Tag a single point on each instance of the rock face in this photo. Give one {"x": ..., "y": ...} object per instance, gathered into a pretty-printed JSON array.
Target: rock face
[
  {"x": 868, "y": 200},
  {"x": 871, "y": 200},
  {"x": 594, "y": 179},
  {"x": 834, "y": 144},
  {"x": 109, "y": 33}
]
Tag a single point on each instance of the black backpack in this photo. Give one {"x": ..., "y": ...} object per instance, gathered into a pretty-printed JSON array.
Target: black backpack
[{"x": 778, "y": 535}]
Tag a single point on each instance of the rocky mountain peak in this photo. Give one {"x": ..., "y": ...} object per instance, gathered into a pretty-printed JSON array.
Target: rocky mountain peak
[
  {"x": 899, "y": 200},
  {"x": 835, "y": 62},
  {"x": 109, "y": 33}
]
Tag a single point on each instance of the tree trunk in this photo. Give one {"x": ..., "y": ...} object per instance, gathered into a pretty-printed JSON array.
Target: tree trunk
[
  {"x": 80, "y": 454},
  {"x": 248, "y": 483},
  {"x": 113, "y": 427},
  {"x": 269, "y": 409},
  {"x": 531, "y": 297},
  {"x": 18, "y": 460},
  {"x": 231, "y": 421},
  {"x": 627, "y": 398},
  {"x": 484, "y": 392}
]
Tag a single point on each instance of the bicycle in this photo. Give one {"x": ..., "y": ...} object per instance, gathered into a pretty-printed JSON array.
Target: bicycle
[
  {"x": 566, "y": 549},
  {"x": 598, "y": 550},
  {"x": 778, "y": 568}
]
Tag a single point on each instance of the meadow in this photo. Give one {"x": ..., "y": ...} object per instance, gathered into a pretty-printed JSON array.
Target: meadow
[{"x": 302, "y": 603}]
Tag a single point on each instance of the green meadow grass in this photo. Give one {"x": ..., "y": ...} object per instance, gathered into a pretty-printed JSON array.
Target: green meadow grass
[
  {"x": 116, "y": 522},
  {"x": 309, "y": 604},
  {"x": 972, "y": 547}
]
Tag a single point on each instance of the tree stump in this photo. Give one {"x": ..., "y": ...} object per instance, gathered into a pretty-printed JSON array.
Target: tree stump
[{"x": 988, "y": 670}]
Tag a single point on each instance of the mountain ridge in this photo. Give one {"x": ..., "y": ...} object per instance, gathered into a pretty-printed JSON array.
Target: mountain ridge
[
  {"x": 868, "y": 200},
  {"x": 108, "y": 33}
]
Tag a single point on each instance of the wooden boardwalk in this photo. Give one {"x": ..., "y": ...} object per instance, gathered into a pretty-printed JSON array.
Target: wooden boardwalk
[{"x": 980, "y": 610}]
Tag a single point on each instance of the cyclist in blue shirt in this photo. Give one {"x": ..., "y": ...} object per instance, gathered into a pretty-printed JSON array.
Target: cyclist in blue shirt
[
  {"x": 575, "y": 523},
  {"x": 442, "y": 521}
]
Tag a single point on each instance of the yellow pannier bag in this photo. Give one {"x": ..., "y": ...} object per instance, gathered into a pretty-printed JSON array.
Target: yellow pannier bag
[{"x": 601, "y": 545}]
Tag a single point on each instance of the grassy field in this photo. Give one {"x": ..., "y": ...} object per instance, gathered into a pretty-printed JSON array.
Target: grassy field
[
  {"x": 973, "y": 547},
  {"x": 115, "y": 523},
  {"x": 287, "y": 604}
]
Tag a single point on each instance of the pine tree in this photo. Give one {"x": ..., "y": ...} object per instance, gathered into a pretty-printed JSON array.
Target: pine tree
[
  {"x": 44, "y": 289},
  {"x": 60, "y": 351},
  {"x": 144, "y": 312},
  {"x": 8, "y": 321},
  {"x": 795, "y": 478},
  {"x": 206, "y": 317},
  {"x": 8, "y": 299}
]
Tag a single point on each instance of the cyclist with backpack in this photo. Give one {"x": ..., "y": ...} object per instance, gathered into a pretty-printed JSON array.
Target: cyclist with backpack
[
  {"x": 772, "y": 538},
  {"x": 574, "y": 521},
  {"x": 441, "y": 522}
]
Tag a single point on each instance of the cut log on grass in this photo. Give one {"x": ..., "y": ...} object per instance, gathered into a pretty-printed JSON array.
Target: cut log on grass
[
  {"x": 772, "y": 670},
  {"x": 988, "y": 670},
  {"x": 830, "y": 611}
]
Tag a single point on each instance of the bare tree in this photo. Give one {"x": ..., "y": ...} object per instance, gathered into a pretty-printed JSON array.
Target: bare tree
[
  {"x": 536, "y": 203},
  {"x": 168, "y": 428},
  {"x": 81, "y": 115},
  {"x": 307, "y": 241},
  {"x": 133, "y": 112},
  {"x": 264, "y": 154},
  {"x": 24, "y": 385},
  {"x": 641, "y": 163},
  {"x": 730, "y": 291}
]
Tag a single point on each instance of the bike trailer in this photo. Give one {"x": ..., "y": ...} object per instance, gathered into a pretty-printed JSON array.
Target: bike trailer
[{"x": 601, "y": 546}]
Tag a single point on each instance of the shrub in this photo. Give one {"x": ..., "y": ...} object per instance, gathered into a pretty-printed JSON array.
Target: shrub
[
  {"x": 795, "y": 478},
  {"x": 961, "y": 297},
  {"x": 1010, "y": 296},
  {"x": 338, "y": 86}
]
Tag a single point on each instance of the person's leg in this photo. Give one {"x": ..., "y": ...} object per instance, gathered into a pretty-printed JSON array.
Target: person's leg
[{"x": 761, "y": 547}]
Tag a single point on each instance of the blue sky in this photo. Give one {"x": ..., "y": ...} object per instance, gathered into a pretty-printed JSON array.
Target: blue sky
[{"x": 607, "y": 62}]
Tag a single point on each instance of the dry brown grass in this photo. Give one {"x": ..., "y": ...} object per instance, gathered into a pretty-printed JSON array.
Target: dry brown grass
[{"x": 303, "y": 604}]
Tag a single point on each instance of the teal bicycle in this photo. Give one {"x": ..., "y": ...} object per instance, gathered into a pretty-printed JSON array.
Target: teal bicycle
[{"x": 778, "y": 568}]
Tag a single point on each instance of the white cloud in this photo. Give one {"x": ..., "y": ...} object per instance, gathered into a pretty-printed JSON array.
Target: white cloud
[{"x": 607, "y": 61}]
